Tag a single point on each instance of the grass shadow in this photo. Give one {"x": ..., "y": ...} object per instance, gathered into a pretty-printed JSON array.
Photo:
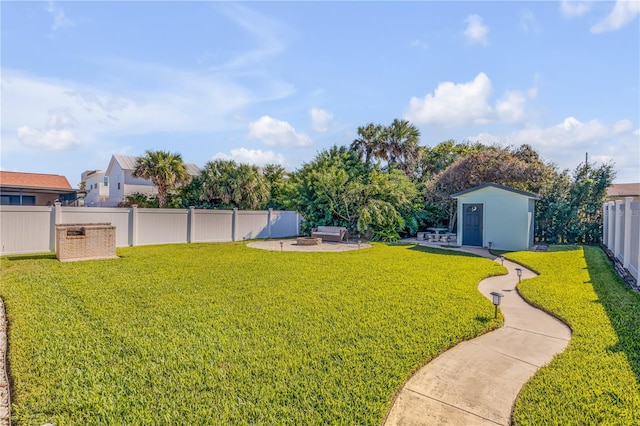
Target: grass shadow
[
  {"x": 621, "y": 304},
  {"x": 434, "y": 250},
  {"x": 41, "y": 256}
]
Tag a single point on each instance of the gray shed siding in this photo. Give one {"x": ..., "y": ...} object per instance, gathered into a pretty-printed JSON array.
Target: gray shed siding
[{"x": 508, "y": 217}]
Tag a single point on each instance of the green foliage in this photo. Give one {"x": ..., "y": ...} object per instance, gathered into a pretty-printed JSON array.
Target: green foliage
[
  {"x": 339, "y": 189},
  {"x": 166, "y": 170},
  {"x": 571, "y": 208},
  {"x": 140, "y": 200},
  {"x": 226, "y": 334},
  {"x": 228, "y": 184},
  {"x": 595, "y": 380}
]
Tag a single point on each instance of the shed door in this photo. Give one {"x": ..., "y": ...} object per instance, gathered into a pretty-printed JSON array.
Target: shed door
[{"x": 472, "y": 225}]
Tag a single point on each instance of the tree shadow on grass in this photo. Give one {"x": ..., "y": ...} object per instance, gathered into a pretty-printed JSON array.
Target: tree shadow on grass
[
  {"x": 433, "y": 250},
  {"x": 621, "y": 304}
]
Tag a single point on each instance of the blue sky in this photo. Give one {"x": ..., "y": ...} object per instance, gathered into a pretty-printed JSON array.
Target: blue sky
[{"x": 265, "y": 82}]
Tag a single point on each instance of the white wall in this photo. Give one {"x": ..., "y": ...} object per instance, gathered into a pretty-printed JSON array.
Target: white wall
[
  {"x": 507, "y": 218},
  {"x": 621, "y": 232}
]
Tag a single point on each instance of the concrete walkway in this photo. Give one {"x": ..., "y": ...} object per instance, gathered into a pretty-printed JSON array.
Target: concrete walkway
[{"x": 477, "y": 381}]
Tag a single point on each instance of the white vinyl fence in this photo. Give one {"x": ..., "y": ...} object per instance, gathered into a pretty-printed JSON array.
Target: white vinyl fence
[
  {"x": 621, "y": 232},
  {"x": 29, "y": 229}
]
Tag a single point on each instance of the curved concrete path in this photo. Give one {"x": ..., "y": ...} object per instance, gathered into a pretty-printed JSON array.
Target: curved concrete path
[{"x": 477, "y": 381}]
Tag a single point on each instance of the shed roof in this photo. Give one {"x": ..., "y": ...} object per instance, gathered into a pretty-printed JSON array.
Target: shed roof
[
  {"x": 495, "y": 185},
  {"x": 33, "y": 180}
]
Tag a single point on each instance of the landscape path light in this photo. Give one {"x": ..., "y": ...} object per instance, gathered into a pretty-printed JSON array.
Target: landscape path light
[
  {"x": 519, "y": 272},
  {"x": 281, "y": 244},
  {"x": 359, "y": 244},
  {"x": 502, "y": 259},
  {"x": 496, "y": 301}
]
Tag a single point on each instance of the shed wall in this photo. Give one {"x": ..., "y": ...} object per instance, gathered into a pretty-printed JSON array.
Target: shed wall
[{"x": 507, "y": 218}]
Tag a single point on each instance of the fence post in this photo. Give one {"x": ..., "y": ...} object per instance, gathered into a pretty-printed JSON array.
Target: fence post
[
  {"x": 605, "y": 223},
  {"x": 612, "y": 221},
  {"x": 133, "y": 225},
  {"x": 234, "y": 223},
  {"x": 626, "y": 248},
  {"x": 269, "y": 212},
  {"x": 56, "y": 220},
  {"x": 618, "y": 237},
  {"x": 191, "y": 223}
]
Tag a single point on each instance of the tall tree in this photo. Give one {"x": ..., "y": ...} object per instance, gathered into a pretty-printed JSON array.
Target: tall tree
[
  {"x": 369, "y": 142},
  {"x": 277, "y": 178},
  {"x": 166, "y": 170},
  {"x": 401, "y": 140},
  {"x": 229, "y": 185},
  {"x": 337, "y": 188}
]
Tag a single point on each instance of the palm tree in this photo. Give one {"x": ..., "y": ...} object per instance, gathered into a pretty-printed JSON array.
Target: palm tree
[
  {"x": 166, "y": 170},
  {"x": 369, "y": 142},
  {"x": 401, "y": 140},
  {"x": 241, "y": 186}
]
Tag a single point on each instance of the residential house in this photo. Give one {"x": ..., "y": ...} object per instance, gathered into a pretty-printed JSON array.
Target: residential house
[
  {"x": 96, "y": 184},
  {"x": 619, "y": 191},
  {"x": 122, "y": 183},
  {"x": 37, "y": 189}
]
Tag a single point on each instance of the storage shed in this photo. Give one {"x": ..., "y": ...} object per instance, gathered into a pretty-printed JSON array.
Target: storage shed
[{"x": 496, "y": 216}]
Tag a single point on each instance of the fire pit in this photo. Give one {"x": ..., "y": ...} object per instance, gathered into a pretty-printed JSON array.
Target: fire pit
[{"x": 308, "y": 241}]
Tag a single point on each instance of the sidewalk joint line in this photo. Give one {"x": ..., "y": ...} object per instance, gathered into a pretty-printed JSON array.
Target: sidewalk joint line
[{"x": 453, "y": 406}]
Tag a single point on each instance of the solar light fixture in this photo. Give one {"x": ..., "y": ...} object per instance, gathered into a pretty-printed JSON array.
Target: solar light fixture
[
  {"x": 359, "y": 244},
  {"x": 519, "y": 272},
  {"x": 502, "y": 259},
  {"x": 281, "y": 244},
  {"x": 496, "y": 301}
]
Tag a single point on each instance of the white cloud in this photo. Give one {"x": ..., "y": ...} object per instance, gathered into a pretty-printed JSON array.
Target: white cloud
[
  {"x": 476, "y": 32},
  {"x": 419, "y": 43},
  {"x": 465, "y": 104},
  {"x": 623, "y": 13},
  {"x": 510, "y": 108},
  {"x": 60, "y": 20},
  {"x": 252, "y": 156},
  {"x": 50, "y": 139},
  {"x": 567, "y": 142},
  {"x": 453, "y": 104},
  {"x": 175, "y": 101},
  {"x": 574, "y": 8},
  {"x": 275, "y": 132},
  {"x": 529, "y": 23},
  {"x": 321, "y": 119}
]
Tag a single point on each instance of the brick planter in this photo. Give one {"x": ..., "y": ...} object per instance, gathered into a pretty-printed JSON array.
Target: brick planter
[{"x": 85, "y": 241}]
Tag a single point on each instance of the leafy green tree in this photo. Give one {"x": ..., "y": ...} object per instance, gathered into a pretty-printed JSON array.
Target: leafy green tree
[
  {"x": 588, "y": 193},
  {"x": 166, "y": 170},
  {"x": 493, "y": 164},
  {"x": 277, "y": 178},
  {"x": 337, "y": 188},
  {"x": 228, "y": 184}
]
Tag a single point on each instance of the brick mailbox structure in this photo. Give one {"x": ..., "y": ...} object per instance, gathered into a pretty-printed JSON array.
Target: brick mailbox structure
[{"x": 85, "y": 241}]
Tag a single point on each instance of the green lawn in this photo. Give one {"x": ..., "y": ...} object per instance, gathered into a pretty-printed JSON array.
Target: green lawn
[
  {"x": 595, "y": 381},
  {"x": 225, "y": 334}
]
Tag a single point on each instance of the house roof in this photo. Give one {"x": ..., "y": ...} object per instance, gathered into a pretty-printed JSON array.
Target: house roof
[
  {"x": 33, "y": 180},
  {"x": 128, "y": 162},
  {"x": 495, "y": 185},
  {"x": 618, "y": 190}
]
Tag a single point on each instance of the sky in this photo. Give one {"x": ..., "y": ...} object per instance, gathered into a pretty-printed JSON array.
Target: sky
[{"x": 278, "y": 82}]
